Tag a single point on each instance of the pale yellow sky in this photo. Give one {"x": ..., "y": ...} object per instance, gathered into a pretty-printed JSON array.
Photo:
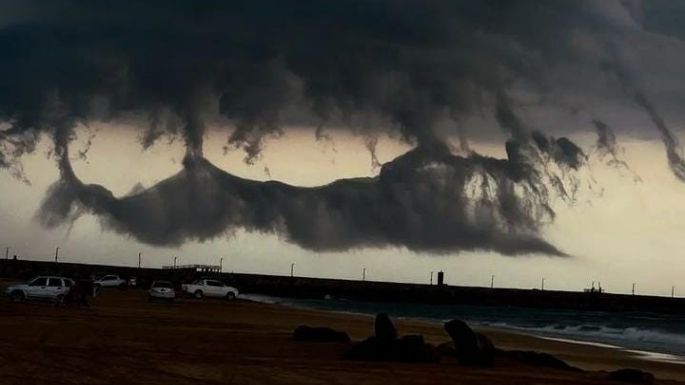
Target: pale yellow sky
[{"x": 632, "y": 233}]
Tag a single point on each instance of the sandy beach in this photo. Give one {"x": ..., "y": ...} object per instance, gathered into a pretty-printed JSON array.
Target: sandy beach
[{"x": 123, "y": 339}]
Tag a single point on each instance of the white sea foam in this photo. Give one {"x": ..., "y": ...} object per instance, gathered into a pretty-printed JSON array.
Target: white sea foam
[
  {"x": 631, "y": 339},
  {"x": 261, "y": 298}
]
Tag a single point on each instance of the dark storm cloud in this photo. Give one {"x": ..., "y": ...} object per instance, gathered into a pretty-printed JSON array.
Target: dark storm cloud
[
  {"x": 407, "y": 62},
  {"x": 616, "y": 65},
  {"x": 267, "y": 64},
  {"x": 673, "y": 148}
]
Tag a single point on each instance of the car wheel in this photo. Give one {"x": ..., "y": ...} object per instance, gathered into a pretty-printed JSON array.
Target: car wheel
[
  {"x": 122, "y": 286},
  {"x": 198, "y": 294},
  {"x": 230, "y": 296},
  {"x": 18, "y": 296},
  {"x": 59, "y": 299}
]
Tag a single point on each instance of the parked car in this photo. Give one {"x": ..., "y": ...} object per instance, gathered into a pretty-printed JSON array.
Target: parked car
[
  {"x": 162, "y": 290},
  {"x": 210, "y": 288},
  {"x": 111, "y": 281},
  {"x": 41, "y": 288}
]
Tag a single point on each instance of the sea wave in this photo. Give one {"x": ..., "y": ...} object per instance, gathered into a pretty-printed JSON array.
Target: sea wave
[{"x": 628, "y": 337}]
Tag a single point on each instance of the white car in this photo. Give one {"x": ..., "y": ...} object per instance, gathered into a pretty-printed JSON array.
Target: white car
[
  {"x": 163, "y": 290},
  {"x": 41, "y": 288},
  {"x": 111, "y": 281},
  {"x": 210, "y": 288}
]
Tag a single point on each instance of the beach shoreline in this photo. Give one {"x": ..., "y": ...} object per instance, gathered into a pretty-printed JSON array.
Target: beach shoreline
[
  {"x": 663, "y": 365},
  {"x": 490, "y": 328},
  {"x": 122, "y": 338}
]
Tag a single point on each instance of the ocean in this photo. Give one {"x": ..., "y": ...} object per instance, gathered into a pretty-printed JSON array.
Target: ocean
[{"x": 658, "y": 336}]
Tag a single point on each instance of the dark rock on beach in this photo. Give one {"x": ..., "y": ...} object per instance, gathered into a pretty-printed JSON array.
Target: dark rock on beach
[
  {"x": 471, "y": 348},
  {"x": 447, "y": 349},
  {"x": 540, "y": 360},
  {"x": 404, "y": 349},
  {"x": 319, "y": 334},
  {"x": 384, "y": 328},
  {"x": 633, "y": 376},
  {"x": 385, "y": 346}
]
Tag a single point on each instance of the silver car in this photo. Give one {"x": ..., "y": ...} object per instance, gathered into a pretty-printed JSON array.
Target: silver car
[
  {"x": 47, "y": 288},
  {"x": 111, "y": 281},
  {"x": 162, "y": 290}
]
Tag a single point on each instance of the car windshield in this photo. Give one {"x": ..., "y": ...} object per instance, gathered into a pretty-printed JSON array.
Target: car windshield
[
  {"x": 166, "y": 285},
  {"x": 42, "y": 281}
]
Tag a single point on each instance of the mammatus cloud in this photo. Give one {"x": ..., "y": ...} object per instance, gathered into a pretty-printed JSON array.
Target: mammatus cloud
[
  {"x": 372, "y": 66},
  {"x": 425, "y": 200}
]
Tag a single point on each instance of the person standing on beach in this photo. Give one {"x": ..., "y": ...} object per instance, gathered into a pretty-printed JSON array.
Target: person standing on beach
[{"x": 73, "y": 297}]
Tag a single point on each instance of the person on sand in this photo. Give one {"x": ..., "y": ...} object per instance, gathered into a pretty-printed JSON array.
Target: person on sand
[
  {"x": 86, "y": 291},
  {"x": 80, "y": 292},
  {"x": 74, "y": 295}
]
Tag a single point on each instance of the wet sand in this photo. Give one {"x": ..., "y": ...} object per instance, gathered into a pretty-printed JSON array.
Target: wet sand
[{"x": 123, "y": 339}]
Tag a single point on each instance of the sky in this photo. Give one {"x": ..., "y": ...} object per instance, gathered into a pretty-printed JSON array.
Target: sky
[{"x": 519, "y": 139}]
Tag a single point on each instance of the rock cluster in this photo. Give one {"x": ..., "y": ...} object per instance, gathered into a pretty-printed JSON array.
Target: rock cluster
[
  {"x": 385, "y": 345},
  {"x": 468, "y": 346}
]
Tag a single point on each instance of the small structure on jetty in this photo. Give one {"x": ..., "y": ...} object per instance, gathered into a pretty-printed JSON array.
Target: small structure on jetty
[{"x": 196, "y": 268}]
